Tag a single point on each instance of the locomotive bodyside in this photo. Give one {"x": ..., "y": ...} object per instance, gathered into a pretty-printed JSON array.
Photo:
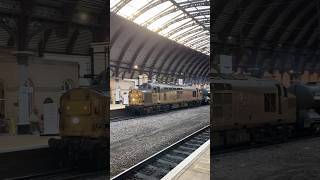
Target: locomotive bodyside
[
  {"x": 243, "y": 109},
  {"x": 152, "y": 97}
]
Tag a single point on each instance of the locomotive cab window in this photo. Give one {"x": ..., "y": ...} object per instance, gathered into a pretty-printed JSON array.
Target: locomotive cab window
[
  {"x": 194, "y": 93},
  {"x": 270, "y": 102}
]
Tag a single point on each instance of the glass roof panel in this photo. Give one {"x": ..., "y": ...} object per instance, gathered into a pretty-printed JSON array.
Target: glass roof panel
[{"x": 170, "y": 18}]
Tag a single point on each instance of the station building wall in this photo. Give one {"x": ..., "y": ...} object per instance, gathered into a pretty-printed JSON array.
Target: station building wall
[{"x": 46, "y": 79}]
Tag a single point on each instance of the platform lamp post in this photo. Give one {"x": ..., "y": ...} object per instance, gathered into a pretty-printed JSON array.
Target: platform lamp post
[{"x": 23, "y": 124}]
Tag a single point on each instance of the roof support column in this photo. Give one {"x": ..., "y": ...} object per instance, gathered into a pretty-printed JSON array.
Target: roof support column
[{"x": 23, "y": 124}]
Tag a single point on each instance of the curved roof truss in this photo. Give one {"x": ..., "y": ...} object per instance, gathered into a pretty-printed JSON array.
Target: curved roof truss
[{"x": 173, "y": 19}]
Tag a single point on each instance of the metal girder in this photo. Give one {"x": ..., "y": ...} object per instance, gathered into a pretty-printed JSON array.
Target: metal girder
[
  {"x": 175, "y": 55},
  {"x": 166, "y": 57},
  {"x": 187, "y": 63},
  {"x": 72, "y": 41},
  {"x": 193, "y": 38},
  {"x": 200, "y": 71},
  {"x": 179, "y": 62},
  {"x": 236, "y": 17},
  {"x": 169, "y": 10},
  {"x": 308, "y": 28},
  {"x": 286, "y": 20},
  {"x": 186, "y": 12},
  {"x": 273, "y": 14},
  {"x": 298, "y": 20},
  {"x": 8, "y": 25},
  {"x": 203, "y": 46},
  {"x": 176, "y": 30},
  {"x": 116, "y": 36},
  {"x": 148, "y": 55},
  {"x": 145, "y": 8},
  {"x": 192, "y": 62},
  {"x": 172, "y": 21},
  {"x": 187, "y": 33},
  {"x": 123, "y": 52},
  {"x": 120, "y": 5},
  {"x": 136, "y": 54},
  {"x": 196, "y": 66},
  {"x": 252, "y": 18},
  {"x": 158, "y": 56},
  {"x": 43, "y": 42},
  {"x": 194, "y": 3},
  {"x": 200, "y": 42},
  {"x": 176, "y": 59},
  {"x": 26, "y": 9}
]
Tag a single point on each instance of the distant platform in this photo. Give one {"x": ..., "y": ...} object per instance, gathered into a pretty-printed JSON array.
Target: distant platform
[
  {"x": 10, "y": 143},
  {"x": 195, "y": 167},
  {"x": 116, "y": 106}
]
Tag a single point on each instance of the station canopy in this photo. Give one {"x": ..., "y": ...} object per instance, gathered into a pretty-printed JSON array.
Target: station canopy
[{"x": 184, "y": 21}]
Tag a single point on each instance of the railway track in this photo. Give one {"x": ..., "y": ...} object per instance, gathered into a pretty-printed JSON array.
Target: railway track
[
  {"x": 159, "y": 164},
  {"x": 122, "y": 115},
  {"x": 64, "y": 174}
]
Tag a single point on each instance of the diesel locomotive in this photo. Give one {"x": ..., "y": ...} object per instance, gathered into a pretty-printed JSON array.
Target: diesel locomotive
[
  {"x": 248, "y": 109},
  {"x": 84, "y": 113},
  {"x": 154, "y": 97}
]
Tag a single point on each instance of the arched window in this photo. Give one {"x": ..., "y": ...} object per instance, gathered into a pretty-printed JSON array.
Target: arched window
[
  {"x": 67, "y": 85},
  {"x": 48, "y": 100}
]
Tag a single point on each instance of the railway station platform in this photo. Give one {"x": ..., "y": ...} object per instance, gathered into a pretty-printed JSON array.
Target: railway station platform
[
  {"x": 10, "y": 143},
  {"x": 194, "y": 167},
  {"x": 116, "y": 106}
]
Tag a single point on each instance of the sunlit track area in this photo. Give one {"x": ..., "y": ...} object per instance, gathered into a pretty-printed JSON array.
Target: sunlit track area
[
  {"x": 159, "y": 66},
  {"x": 54, "y": 59},
  {"x": 265, "y": 85}
]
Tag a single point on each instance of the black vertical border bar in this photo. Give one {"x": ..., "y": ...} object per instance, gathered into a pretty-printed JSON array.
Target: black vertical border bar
[
  {"x": 212, "y": 27},
  {"x": 107, "y": 50}
]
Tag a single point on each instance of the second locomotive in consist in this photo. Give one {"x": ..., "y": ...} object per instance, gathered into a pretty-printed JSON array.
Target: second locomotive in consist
[
  {"x": 246, "y": 109},
  {"x": 153, "y": 97},
  {"x": 84, "y": 114}
]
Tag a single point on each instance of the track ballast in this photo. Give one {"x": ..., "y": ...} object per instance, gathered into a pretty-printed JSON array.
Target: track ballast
[{"x": 161, "y": 163}]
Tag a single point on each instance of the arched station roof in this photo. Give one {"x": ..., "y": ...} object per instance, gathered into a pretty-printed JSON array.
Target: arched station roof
[
  {"x": 184, "y": 21},
  {"x": 135, "y": 50},
  {"x": 268, "y": 34},
  {"x": 56, "y": 26}
]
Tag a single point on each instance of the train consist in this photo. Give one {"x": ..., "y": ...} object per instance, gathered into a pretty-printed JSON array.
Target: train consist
[
  {"x": 154, "y": 97},
  {"x": 84, "y": 113},
  {"x": 247, "y": 109}
]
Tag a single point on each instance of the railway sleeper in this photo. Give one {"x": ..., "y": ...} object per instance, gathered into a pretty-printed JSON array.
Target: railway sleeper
[
  {"x": 182, "y": 152},
  {"x": 186, "y": 149},
  {"x": 174, "y": 153},
  {"x": 175, "y": 158},
  {"x": 140, "y": 175},
  {"x": 162, "y": 165},
  {"x": 158, "y": 169},
  {"x": 167, "y": 162}
]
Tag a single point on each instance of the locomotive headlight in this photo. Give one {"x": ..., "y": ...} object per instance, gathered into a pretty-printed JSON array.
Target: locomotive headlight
[
  {"x": 133, "y": 99},
  {"x": 75, "y": 120}
]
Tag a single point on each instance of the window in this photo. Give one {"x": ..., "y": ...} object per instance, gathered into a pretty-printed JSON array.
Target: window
[
  {"x": 67, "y": 85},
  {"x": 194, "y": 93},
  {"x": 270, "y": 102},
  {"x": 48, "y": 100}
]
